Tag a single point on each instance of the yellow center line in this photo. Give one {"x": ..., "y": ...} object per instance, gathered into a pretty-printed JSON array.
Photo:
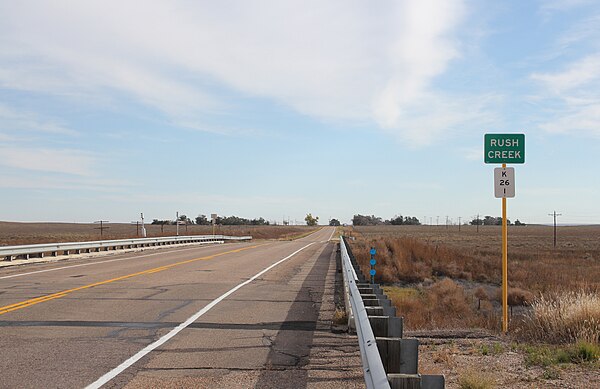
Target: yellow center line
[{"x": 41, "y": 299}]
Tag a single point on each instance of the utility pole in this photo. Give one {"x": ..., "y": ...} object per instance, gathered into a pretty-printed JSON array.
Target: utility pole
[
  {"x": 459, "y": 218},
  {"x": 437, "y": 221},
  {"x": 137, "y": 227},
  {"x": 101, "y": 228},
  {"x": 477, "y": 222},
  {"x": 555, "y": 215},
  {"x": 177, "y": 223},
  {"x": 446, "y": 222}
]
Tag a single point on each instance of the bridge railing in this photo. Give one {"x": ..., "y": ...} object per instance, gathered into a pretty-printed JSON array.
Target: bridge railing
[
  {"x": 375, "y": 376},
  {"x": 54, "y": 249},
  {"x": 389, "y": 360}
]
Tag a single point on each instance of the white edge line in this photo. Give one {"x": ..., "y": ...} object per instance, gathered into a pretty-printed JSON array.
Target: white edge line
[
  {"x": 333, "y": 232},
  {"x": 142, "y": 353},
  {"x": 99, "y": 262}
]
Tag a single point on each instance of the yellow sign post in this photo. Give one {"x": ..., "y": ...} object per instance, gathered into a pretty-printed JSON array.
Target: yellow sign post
[
  {"x": 504, "y": 148},
  {"x": 504, "y": 266}
]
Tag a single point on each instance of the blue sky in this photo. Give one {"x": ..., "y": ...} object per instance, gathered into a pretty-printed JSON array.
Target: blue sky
[{"x": 277, "y": 109}]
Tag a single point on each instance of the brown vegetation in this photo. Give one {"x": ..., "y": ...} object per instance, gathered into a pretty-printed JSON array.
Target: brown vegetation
[
  {"x": 534, "y": 264},
  {"x": 562, "y": 318},
  {"x": 457, "y": 275},
  {"x": 445, "y": 304},
  {"x": 12, "y": 233}
]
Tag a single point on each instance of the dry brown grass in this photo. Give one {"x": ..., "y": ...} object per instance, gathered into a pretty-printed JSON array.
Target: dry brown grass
[
  {"x": 415, "y": 253},
  {"x": 12, "y": 233},
  {"x": 566, "y": 317},
  {"x": 445, "y": 304},
  {"x": 458, "y": 274},
  {"x": 475, "y": 380}
]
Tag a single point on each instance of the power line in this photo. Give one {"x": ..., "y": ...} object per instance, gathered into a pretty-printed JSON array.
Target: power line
[
  {"x": 137, "y": 227},
  {"x": 101, "y": 228},
  {"x": 555, "y": 215}
]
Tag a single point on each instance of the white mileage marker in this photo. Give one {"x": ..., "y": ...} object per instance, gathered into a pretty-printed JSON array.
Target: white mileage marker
[{"x": 504, "y": 182}]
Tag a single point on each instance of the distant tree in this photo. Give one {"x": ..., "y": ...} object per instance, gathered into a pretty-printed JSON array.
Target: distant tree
[
  {"x": 476, "y": 222},
  {"x": 183, "y": 219},
  {"x": 311, "y": 220},
  {"x": 413, "y": 221},
  {"x": 162, "y": 223},
  {"x": 202, "y": 220},
  {"x": 259, "y": 222},
  {"x": 519, "y": 223},
  {"x": 490, "y": 221},
  {"x": 396, "y": 221},
  {"x": 334, "y": 222},
  {"x": 362, "y": 220}
]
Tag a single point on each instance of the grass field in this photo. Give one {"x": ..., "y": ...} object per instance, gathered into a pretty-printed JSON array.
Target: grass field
[
  {"x": 461, "y": 270},
  {"x": 534, "y": 264},
  {"x": 12, "y": 233},
  {"x": 446, "y": 283}
]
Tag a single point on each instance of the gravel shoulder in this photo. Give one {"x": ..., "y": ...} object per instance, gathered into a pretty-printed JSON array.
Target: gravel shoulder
[{"x": 459, "y": 354}]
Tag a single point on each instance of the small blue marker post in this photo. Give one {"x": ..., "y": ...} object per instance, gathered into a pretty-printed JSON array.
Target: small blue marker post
[{"x": 373, "y": 262}]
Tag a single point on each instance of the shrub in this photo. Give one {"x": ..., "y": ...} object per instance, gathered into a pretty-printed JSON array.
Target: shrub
[
  {"x": 549, "y": 355},
  {"x": 475, "y": 380},
  {"x": 585, "y": 352},
  {"x": 518, "y": 296},
  {"x": 563, "y": 318},
  {"x": 340, "y": 316},
  {"x": 443, "y": 305}
]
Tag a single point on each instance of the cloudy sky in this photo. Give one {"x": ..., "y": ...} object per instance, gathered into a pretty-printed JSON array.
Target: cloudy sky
[{"x": 279, "y": 108}]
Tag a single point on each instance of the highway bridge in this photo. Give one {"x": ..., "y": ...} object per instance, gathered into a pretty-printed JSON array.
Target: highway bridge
[{"x": 240, "y": 315}]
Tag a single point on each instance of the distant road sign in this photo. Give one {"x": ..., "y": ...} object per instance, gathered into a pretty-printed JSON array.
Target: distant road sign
[
  {"x": 504, "y": 148},
  {"x": 504, "y": 182}
]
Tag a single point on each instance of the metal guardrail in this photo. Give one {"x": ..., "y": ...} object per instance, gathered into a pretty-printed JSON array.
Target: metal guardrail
[
  {"x": 38, "y": 250},
  {"x": 375, "y": 375}
]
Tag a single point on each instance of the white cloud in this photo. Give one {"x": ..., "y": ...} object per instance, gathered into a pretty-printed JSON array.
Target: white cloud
[
  {"x": 337, "y": 60},
  {"x": 63, "y": 161},
  {"x": 432, "y": 117},
  {"x": 563, "y": 5},
  {"x": 584, "y": 31},
  {"x": 579, "y": 73},
  {"x": 584, "y": 119},
  {"x": 14, "y": 121},
  {"x": 573, "y": 95}
]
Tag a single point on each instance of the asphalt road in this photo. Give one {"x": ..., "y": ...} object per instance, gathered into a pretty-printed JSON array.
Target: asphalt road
[{"x": 240, "y": 315}]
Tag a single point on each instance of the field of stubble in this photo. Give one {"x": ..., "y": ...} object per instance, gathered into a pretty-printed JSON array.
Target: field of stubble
[{"x": 12, "y": 233}]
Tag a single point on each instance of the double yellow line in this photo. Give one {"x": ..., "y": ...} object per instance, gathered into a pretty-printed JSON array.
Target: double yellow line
[{"x": 37, "y": 300}]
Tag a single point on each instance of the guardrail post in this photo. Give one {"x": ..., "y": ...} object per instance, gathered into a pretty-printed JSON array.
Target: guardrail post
[
  {"x": 433, "y": 381},
  {"x": 399, "y": 355},
  {"x": 386, "y": 326},
  {"x": 404, "y": 381}
]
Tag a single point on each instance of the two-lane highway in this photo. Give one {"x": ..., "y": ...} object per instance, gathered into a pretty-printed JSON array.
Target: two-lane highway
[{"x": 235, "y": 315}]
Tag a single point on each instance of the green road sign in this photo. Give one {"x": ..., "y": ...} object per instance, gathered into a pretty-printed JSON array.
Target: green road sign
[{"x": 504, "y": 148}]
